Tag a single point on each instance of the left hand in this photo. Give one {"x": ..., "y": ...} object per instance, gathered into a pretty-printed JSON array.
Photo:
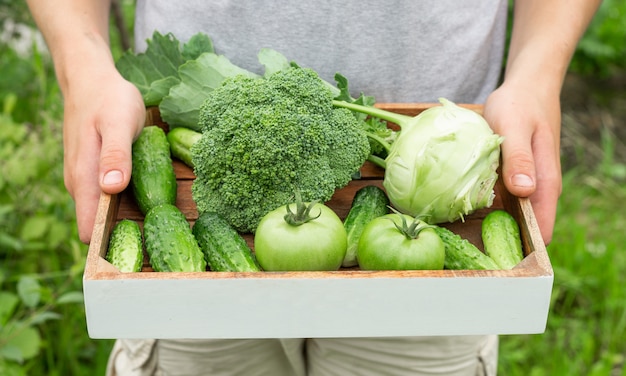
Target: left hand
[{"x": 530, "y": 122}]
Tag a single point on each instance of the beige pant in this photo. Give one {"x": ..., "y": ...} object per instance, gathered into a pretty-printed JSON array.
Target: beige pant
[{"x": 449, "y": 356}]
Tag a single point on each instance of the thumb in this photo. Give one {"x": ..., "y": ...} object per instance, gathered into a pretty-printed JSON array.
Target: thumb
[
  {"x": 115, "y": 160},
  {"x": 518, "y": 163},
  {"x": 518, "y": 167}
]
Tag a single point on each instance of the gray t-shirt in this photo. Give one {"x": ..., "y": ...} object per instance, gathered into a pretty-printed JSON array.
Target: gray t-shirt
[{"x": 397, "y": 51}]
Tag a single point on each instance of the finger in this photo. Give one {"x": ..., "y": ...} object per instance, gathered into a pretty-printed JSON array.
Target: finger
[
  {"x": 518, "y": 168},
  {"x": 549, "y": 186},
  {"x": 115, "y": 163},
  {"x": 531, "y": 172},
  {"x": 86, "y": 198},
  {"x": 116, "y": 154},
  {"x": 81, "y": 180},
  {"x": 544, "y": 203},
  {"x": 518, "y": 161}
]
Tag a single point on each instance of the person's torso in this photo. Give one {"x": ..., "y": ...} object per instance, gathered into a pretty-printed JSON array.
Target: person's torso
[{"x": 397, "y": 51}]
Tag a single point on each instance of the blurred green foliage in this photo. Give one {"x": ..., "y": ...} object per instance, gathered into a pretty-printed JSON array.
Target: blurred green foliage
[
  {"x": 15, "y": 11},
  {"x": 42, "y": 258},
  {"x": 602, "y": 50}
]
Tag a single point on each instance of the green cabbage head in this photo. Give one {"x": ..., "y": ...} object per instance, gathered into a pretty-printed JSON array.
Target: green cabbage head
[{"x": 443, "y": 164}]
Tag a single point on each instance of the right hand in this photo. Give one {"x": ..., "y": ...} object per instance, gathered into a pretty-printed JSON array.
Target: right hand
[
  {"x": 530, "y": 121},
  {"x": 103, "y": 115}
]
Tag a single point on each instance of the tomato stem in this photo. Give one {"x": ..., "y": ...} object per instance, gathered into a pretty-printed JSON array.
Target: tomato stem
[
  {"x": 303, "y": 212},
  {"x": 410, "y": 231}
]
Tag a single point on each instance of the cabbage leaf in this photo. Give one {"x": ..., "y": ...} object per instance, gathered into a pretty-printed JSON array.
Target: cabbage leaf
[{"x": 155, "y": 70}]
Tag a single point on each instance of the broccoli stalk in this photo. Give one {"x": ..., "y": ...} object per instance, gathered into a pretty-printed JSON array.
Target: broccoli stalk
[
  {"x": 396, "y": 118},
  {"x": 376, "y": 129},
  {"x": 377, "y": 157},
  {"x": 371, "y": 119}
]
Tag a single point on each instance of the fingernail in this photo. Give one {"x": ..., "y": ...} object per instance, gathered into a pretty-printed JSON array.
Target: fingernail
[
  {"x": 521, "y": 180},
  {"x": 112, "y": 177}
]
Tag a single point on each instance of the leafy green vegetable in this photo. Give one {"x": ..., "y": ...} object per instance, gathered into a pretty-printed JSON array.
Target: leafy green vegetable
[
  {"x": 196, "y": 46},
  {"x": 442, "y": 165},
  {"x": 155, "y": 71},
  {"x": 201, "y": 76},
  {"x": 273, "y": 61},
  {"x": 178, "y": 79},
  {"x": 198, "y": 77},
  {"x": 264, "y": 138}
]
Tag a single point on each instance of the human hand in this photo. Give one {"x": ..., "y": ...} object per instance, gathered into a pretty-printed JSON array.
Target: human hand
[
  {"x": 530, "y": 123},
  {"x": 103, "y": 115}
]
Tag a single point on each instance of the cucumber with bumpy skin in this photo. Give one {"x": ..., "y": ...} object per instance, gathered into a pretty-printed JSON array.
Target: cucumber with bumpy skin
[
  {"x": 223, "y": 247},
  {"x": 181, "y": 140},
  {"x": 153, "y": 178},
  {"x": 170, "y": 242},
  {"x": 461, "y": 254},
  {"x": 368, "y": 203},
  {"x": 501, "y": 238},
  {"x": 126, "y": 246}
]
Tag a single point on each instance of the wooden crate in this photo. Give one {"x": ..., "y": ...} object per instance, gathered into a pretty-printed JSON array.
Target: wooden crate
[{"x": 346, "y": 303}]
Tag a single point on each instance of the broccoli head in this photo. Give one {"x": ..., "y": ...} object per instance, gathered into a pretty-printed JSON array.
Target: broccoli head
[{"x": 263, "y": 139}]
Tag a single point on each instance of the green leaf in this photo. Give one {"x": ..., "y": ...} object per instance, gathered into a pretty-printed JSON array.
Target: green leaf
[
  {"x": 19, "y": 169},
  {"x": 158, "y": 89},
  {"x": 11, "y": 132},
  {"x": 8, "y": 302},
  {"x": 180, "y": 108},
  {"x": 42, "y": 317},
  {"x": 9, "y": 242},
  {"x": 9, "y": 103},
  {"x": 344, "y": 93},
  {"x": 19, "y": 342},
  {"x": 6, "y": 210},
  {"x": 9, "y": 368},
  {"x": 71, "y": 297},
  {"x": 156, "y": 70},
  {"x": 58, "y": 234},
  {"x": 11, "y": 352},
  {"x": 196, "y": 46},
  {"x": 29, "y": 290},
  {"x": 272, "y": 60},
  {"x": 34, "y": 246},
  {"x": 35, "y": 227}
]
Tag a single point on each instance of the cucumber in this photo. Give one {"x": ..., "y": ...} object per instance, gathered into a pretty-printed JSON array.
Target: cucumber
[
  {"x": 181, "y": 140},
  {"x": 501, "y": 238},
  {"x": 461, "y": 254},
  {"x": 153, "y": 178},
  {"x": 225, "y": 250},
  {"x": 126, "y": 246},
  {"x": 169, "y": 241},
  {"x": 368, "y": 203}
]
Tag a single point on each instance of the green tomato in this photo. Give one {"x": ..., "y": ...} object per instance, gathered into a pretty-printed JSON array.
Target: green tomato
[
  {"x": 383, "y": 246},
  {"x": 318, "y": 244}
]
